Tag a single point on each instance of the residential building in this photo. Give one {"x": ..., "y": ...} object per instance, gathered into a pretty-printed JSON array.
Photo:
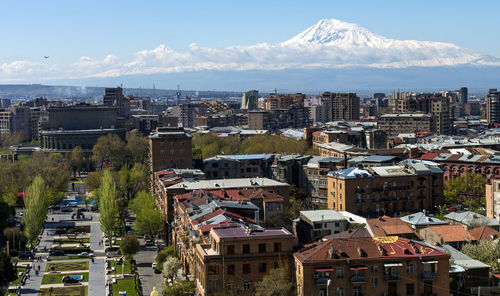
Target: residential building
[
  {"x": 290, "y": 169},
  {"x": 388, "y": 265},
  {"x": 421, "y": 220},
  {"x": 315, "y": 171},
  {"x": 453, "y": 235},
  {"x": 249, "y": 100},
  {"x": 442, "y": 121},
  {"x": 238, "y": 166},
  {"x": 186, "y": 113},
  {"x": 376, "y": 139},
  {"x": 170, "y": 147},
  {"x": 463, "y": 95},
  {"x": 493, "y": 106},
  {"x": 114, "y": 97},
  {"x": 37, "y": 115},
  {"x": 493, "y": 199},
  {"x": 312, "y": 226},
  {"x": 386, "y": 190},
  {"x": 391, "y": 226},
  {"x": 237, "y": 258},
  {"x": 395, "y": 124},
  {"x": 346, "y": 106},
  {"x": 295, "y": 116}
]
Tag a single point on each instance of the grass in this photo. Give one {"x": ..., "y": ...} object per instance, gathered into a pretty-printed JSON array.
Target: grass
[
  {"x": 118, "y": 267},
  {"x": 68, "y": 266},
  {"x": 18, "y": 280},
  {"x": 57, "y": 278},
  {"x": 71, "y": 257},
  {"x": 71, "y": 240},
  {"x": 124, "y": 285},
  {"x": 65, "y": 291}
]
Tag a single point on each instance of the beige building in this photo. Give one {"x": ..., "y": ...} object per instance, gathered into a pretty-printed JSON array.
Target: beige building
[
  {"x": 385, "y": 190},
  {"x": 395, "y": 124},
  {"x": 387, "y": 265},
  {"x": 237, "y": 258},
  {"x": 493, "y": 199},
  {"x": 170, "y": 147}
]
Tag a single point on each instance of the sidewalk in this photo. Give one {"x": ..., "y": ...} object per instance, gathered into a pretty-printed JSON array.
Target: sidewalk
[{"x": 97, "y": 273}]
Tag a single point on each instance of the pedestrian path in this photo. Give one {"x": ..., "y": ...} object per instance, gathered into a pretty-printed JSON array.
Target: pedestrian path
[{"x": 97, "y": 275}]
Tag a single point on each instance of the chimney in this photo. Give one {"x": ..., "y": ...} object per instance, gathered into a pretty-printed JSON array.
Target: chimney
[
  {"x": 330, "y": 251},
  {"x": 345, "y": 160}
]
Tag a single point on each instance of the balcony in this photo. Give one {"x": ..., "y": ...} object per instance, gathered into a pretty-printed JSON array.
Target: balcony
[
  {"x": 392, "y": 277},
  {"x": 428, "y": 275},
  {"x": 321, "y": 281},
  {"x": 356, "y": 279}
]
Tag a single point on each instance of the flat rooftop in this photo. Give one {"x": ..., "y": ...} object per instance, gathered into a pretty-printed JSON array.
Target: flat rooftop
[
  {"x": 234, "y": 232},
  {"x": 227, "y": 183}
]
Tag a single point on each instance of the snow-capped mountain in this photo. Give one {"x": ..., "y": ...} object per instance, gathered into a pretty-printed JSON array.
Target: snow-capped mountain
[{"x": 359, "y": 46}]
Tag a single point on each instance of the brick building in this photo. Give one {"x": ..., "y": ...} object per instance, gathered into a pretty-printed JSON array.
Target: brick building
[{"x": 170, "y": 147}]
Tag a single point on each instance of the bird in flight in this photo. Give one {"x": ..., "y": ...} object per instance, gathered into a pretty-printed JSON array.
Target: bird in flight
[{"x": 46, "y": 57}]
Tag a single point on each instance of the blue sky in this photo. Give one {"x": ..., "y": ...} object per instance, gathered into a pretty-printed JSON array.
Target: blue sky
[
  {"x": 103, "y": 38},
  {"x": 66, "y": 30}
]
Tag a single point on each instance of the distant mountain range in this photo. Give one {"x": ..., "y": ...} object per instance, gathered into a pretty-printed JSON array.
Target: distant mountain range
[{"x": 330, "y": 55}]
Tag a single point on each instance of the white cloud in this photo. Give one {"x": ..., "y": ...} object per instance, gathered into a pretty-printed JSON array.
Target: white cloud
[{"x": 328, "y": 44}]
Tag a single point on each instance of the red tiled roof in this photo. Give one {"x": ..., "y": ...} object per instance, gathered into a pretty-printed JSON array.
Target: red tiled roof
[
  {"x": 451, "y": 233},
  {"x": 391, "y": 247},
  {"x": 429, "y": 156},
  {"x": 484, "y": 233},
  {"x": 385, "y": 225}
]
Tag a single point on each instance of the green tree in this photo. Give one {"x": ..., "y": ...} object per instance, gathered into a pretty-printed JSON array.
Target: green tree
[
  {"x": 36, "y": 204},
  {"x": 162, "y": 256},
  {"x": 171, "y": 267},
  {"x": 275, "y": 283},
  {"x": 76, "y": 159},
  {"x": 137, "y": 148},
  {"x": 130, "y": 246},
  {"x": 486, "y": 252},
  {"x": 109, "y": 148},
  {"x": 7, "y": 270},
  {"x": 93, "y": 180},
  {"x": 6, "y": 211},
  {"x": 468, "y": 190},
  {"x": 197, "y": 152},
  {"x": 179, "y": 288},
  {"x": 148, "y": 220},
  {"x": 107, "y": 205}
]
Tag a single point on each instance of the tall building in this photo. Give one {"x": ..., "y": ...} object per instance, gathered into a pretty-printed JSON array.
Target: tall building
[
  {"x": 36, "y": 117},
  {"x": 170, "y": 147},
  {"x": 493, "y": 106},
  {"x": 114, "y": 97},
  {"x": 186, "y": 113},
  {"x": 249, "y": 100},
  {"x": 345, "y": 107},
  {"x": 441, "y": 117},
  {"x": 4, "y": 103},
  {"x": 395, "y": 124},
  {"x": 464, "y": 95}
]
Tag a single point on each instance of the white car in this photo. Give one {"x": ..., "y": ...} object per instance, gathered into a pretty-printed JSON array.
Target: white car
[{"x": 86, "y": 254}]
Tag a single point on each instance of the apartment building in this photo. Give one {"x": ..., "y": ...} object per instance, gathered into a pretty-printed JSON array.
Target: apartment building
[
  {"x": 170, "y": 147},
  {"x": 237, "y": 258},
  {"x": 385, "y": 190},
  {"x": 395, "y": 124},
  {"x": 388, "y": 265}
]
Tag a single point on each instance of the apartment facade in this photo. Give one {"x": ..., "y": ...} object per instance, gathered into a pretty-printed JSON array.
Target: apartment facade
[
  {"x": 385, "y": 190},
  {"x": 170, "y": 147},
  {"x": 388, "y": 265},
  {"x": 395, "y": 124},
  {"x": 237, "y": 258}
]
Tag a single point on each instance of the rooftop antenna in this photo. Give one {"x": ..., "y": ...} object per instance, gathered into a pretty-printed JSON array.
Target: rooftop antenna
[{"x": 177, "y": 95}]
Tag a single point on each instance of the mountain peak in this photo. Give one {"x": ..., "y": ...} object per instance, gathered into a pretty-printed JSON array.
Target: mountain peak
[{"x": 333, "y": 32}]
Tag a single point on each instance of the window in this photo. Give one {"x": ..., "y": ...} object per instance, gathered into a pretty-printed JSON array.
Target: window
[
  {"x": 230, "y": 269},
  {"x": 277, "y": 247},
  {"x": 262, "y": 248},
  {"x": 246, "y": 268},
  {"x": 374, "y": 282},
  {"x": 357, "y": 291},
  {"x": 374, "y": 268},
  {"x": 340, "y": 291},
  {"x": 262, "y": 267},
  {"x": 230, "y": 250},
  {"x": 212, "y": 269},
  {"x": 162, "y": 152},
  {"x": 322, "y": 292},
  {"x": 409, "y": 269},
  {"x": 247, "y": 286},
  {"x": 172, "y": 152},
  {"x": 339, "y": 272},
  {"x": 246, "y": 248}
]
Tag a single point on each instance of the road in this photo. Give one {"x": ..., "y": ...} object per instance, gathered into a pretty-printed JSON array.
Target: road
[{"x": 149, "y": 279}]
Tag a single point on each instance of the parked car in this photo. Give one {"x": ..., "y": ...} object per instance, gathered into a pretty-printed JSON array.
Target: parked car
[
  {"x": 25, "y": 256},
  {"x": 66, "y": 209},
  {"x": 452, "y": 209},
  {"x": 57, "y": 253},
  {"x": 86, "y": 254},
  {"x": 149, "y": 242},
  {"x": 68, "y": 279}
]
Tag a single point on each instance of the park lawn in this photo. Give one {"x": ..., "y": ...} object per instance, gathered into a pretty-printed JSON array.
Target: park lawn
[
  {"x": 118, "y": 267},
  {"x": 71, "y": 257},
  {"x": 18, "y": 280},
  {"x": 124, "y": 285},
  {"x": 65, "y": 291},
  {"x": 71, "y": 240},
  {"x": 68, "y": 266},
  {"x": 57, "y": 278}
]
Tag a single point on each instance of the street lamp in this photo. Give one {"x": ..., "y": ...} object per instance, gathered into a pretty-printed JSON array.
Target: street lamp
[{"x": 327, "y": 286}]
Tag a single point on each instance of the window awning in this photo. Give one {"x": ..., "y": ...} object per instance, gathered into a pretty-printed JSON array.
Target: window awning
[
  {"x": 393, "y": 264},
  {"x": 324, "y": 269},
  {"x": 358, "y": 267},
  {"x": 429, "y": 262}
]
